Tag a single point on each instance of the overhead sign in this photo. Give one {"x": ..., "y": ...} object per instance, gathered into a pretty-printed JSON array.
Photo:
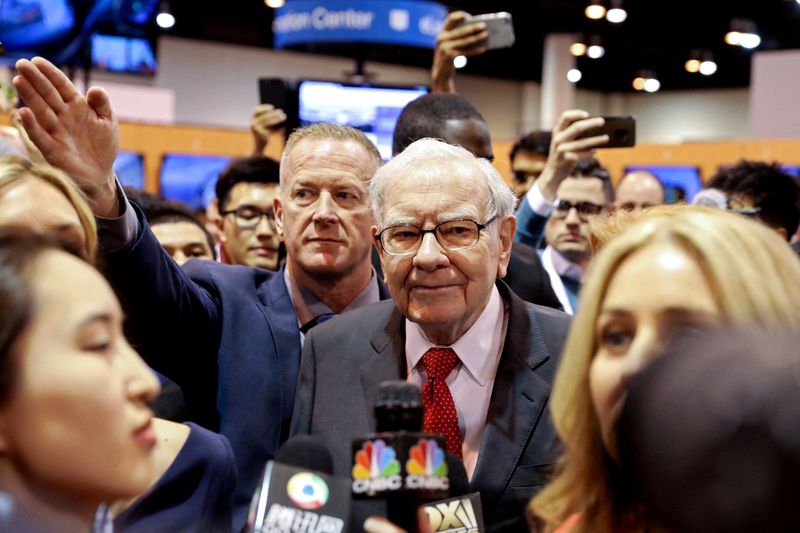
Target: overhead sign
[{"x": 406, "y": 23}]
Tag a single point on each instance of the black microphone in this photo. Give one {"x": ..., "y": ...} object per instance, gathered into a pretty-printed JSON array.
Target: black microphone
[
  {"x": 462, "y": 512},
  {"x": 399, "y": 462},
  {"x": 298, "y": 494}
]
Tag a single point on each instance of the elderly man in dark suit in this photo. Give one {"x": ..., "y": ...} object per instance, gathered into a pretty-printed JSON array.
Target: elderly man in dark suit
[{"x": 483, "y": 357}]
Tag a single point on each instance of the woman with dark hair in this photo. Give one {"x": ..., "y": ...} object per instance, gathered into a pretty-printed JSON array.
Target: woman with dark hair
[{"x": 75, "y": 426}]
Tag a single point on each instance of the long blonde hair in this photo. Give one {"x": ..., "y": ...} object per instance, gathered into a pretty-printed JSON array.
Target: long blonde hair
[
  {"x": 16, "y": 169},
  {"x": 755, "y": 277}
]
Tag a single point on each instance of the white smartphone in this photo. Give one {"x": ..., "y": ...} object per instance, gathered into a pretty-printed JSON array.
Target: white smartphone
[{"x": 500, "y": 28}]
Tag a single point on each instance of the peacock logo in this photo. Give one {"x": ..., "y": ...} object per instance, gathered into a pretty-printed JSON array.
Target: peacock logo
[
  {"x": 426, "y": 458},
  {"x": 307, "y": 490},
  {"x": 375, "y": 459}
]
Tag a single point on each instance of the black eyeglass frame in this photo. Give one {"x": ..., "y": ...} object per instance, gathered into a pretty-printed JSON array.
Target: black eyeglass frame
[
  {"x": 270, "y": 214},
  {"x": 379, "y": 236}
]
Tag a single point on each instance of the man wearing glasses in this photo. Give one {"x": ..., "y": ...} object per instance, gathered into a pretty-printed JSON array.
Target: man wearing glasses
[
  {"x": 483, "y": 357},
  {"x": 246, "y": 190},
  {"x": 572, "y": 188}
]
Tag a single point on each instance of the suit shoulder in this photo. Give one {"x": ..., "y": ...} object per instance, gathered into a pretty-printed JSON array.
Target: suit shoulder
[
  {"x": 356, "y": 321},
  {"x": 549, "y": 318},
  {"x": 201, "y": 270}
]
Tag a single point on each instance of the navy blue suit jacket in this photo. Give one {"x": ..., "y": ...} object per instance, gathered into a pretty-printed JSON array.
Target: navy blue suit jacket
[{"x": 228, "y": 335}]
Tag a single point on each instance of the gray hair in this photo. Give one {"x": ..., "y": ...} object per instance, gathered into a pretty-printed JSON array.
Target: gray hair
[{"x": 426, "y": 152}]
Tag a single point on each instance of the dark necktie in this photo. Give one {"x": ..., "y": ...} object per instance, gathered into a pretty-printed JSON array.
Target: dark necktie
[
  {"x": 319, "y": 319},
  {"x": 440, "y": 410}
]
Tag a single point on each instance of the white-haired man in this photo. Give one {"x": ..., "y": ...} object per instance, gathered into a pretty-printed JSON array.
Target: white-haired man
[{"x": 483, "y": 357}]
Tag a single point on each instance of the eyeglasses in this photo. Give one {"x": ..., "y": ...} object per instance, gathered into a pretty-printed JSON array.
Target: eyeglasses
[
  {"x": 248, "y": 216},
  {"x": 584, "y": 209},
  {"x": 737, "y": 205},
  {"x": 452, "y": 235}
]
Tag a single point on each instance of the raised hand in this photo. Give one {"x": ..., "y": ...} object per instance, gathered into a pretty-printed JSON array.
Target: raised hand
[
  {"x": 567, "y": 147},
  {"x": 77, "y": 134},
  {"x": 454, "y": 40},
  {"x": 265, "y": 120}
]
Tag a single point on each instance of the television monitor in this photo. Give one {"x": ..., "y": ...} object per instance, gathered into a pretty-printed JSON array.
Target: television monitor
[
  {"x": 372, "y": 109},
  {"x": 27, "y": 24},
  {"x": 191, "y": 178},
  {"x": 792, "y": 170},
  {"x": 115, "y": 53},
  {"x": 129, "y": 168},
  {"x": 681, "y": 182}
]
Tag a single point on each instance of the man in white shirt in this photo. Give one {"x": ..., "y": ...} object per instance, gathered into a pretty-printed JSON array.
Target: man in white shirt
[
  {"x": 483, "y": 357},
  {"x": 572, "y": 188}
]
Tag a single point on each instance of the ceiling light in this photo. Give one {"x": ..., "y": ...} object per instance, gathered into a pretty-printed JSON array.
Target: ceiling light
[
  {"x": 743, "y": 33},
  {"x": 693, "y": 66},
  {"x": 577, "y": 48},
  {"x": 616, "y": 14},
  {"x": 733, "y": 38},
  {"x": 750, "y": 40},
  {"x": 707, "y": 68},
  {"x": 595, "y": 51},
  {"x": 652, "y": 85},
  {"x": 646, "y": 81},
  {"x": 275, "y": 4},
  {"x": 165, "y": 18},
  {"x": 595, "y": 10},
  {"x": 460, "y": 61},
  {"x": 574, "y": 75}
]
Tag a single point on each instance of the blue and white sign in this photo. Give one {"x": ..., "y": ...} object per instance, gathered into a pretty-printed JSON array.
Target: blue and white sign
[{"x": 407, "y": 23}]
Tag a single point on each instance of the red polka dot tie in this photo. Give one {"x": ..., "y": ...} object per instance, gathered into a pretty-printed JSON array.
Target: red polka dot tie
[{"x": 440, "y": 410}]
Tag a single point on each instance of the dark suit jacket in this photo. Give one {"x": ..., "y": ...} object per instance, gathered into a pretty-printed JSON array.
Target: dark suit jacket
[
  {"x": 525, "y": 275},
  {"x": 228, "y": 335},
  {"x": 346, "y": 359}
]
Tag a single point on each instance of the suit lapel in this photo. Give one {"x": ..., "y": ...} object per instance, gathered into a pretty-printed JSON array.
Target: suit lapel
[
  {"x": 519, "y": 397},
  {"x": 282, "y": 322},
  {"x": 387, "y": 362}
]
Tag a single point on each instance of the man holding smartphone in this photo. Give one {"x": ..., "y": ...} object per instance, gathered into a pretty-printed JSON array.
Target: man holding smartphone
[{"x": 572, "y": 188}]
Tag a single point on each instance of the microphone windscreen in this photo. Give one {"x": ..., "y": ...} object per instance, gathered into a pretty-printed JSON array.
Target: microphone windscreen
[
  {"x": 711, "y": 198},
  {"x": 459, "y": 483},
  {"x": 307, "y": 452}
]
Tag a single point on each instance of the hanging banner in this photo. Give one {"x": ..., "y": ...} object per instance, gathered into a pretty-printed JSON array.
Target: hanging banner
[{"x": 405, "y": 23}]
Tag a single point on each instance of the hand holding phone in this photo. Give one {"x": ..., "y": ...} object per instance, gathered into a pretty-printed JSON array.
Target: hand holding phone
[
  {"x": 499, "y": 26},
  {"x": 621, "y": 132}
]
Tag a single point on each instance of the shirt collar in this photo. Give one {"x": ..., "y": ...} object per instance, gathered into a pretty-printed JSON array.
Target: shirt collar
[
  {"x": 478, "y": 349},
  {"x": 564, "y": 267},
  {"x": 303, "y": 298}
]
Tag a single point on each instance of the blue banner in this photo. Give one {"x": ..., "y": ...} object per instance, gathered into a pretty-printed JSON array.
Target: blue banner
[{"x": 408, "y": 23}]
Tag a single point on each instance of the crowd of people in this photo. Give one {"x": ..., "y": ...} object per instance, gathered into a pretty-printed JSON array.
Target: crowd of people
[{"x": 151, "y": 364}]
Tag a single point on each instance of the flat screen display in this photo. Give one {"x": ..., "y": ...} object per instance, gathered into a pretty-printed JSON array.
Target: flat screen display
[
  {"x": 191, "y": 178},
  {"x": 129, "y": 168},
  {"x": 116, "y": 53},
  {"x": 681, "y": 182},
  {"x": 30, "y": 23},
  {"x": 371, "y": 109}
]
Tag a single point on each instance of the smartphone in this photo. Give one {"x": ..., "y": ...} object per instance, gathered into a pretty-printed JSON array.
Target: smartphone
[
  {"x": 499, "y": 26},
  {"x": 621, "y": 132}
]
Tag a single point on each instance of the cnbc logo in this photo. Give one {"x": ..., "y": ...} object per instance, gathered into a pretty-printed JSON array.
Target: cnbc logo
[
  {"x": 376, "y": 468},
  {"x": 426, "y": 467},
  {"x": 307, "y": 490}
]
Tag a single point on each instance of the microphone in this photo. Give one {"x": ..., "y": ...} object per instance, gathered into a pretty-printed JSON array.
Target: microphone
[
  {"x": 711, "y": 198},
  {"x": 399, "y": 462},
  {"x": 298, "y": 494},
  {"x": 462, "y": 513}
]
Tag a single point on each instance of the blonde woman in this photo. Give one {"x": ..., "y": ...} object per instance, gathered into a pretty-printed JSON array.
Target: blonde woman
[
  {"x": 675, "y": 268},
  {"x": 43, "y": 199}
]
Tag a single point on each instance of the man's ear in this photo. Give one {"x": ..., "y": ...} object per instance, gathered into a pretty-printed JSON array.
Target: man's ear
[
  {"x": 278, "y": 208},
  {"x": 214, "y": 221},
  {"x": 783, "y": 233},
  {"x": 508, "y": 226}
]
